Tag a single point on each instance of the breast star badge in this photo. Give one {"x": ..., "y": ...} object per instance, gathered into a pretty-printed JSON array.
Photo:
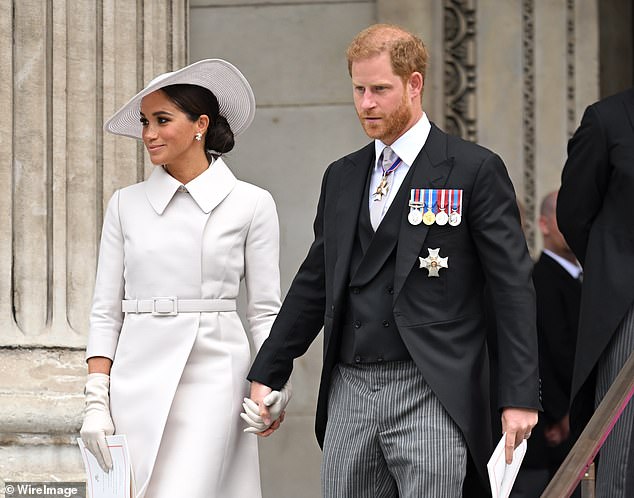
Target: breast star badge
[{"x": 433, "y": 262}]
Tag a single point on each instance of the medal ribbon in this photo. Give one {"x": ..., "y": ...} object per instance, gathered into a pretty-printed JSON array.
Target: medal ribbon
[
  {"x": 383, "y": 186},
  {"x": 395, "y": 165}
]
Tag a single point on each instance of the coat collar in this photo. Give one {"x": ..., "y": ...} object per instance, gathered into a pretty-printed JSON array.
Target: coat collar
[
  {"x": 354, "y": 175},
  {"x": 208, "y": 189},
  {"x": 386, "y": 236}
]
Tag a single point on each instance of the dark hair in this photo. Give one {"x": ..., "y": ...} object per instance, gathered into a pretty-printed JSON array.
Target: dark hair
[{"x": 196, "y": 100}]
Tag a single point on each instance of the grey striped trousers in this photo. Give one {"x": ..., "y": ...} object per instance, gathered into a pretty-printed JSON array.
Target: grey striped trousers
[
  {"x": 615, "y": 472},
  {"x": 389, "y": 436}
]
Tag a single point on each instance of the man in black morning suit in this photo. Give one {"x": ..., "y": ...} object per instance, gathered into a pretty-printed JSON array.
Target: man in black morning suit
[
  {"x": 594, "y": 211},
  {"x": 404, "y": 397}
]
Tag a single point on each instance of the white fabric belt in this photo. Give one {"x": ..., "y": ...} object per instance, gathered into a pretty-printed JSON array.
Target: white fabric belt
[{"x": 170, "y": 306}]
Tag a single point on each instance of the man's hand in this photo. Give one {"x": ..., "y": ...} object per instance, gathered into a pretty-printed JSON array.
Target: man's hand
[
  {"x": 517, "y": 423},
  {"x": 558, "y": 432},
  {"x": 258, "y": 393}
]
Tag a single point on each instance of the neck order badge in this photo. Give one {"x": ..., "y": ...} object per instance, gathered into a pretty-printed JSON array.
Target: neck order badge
[
  {"x": 388, "y": 157},
  {"x": 390, "y": 162}
]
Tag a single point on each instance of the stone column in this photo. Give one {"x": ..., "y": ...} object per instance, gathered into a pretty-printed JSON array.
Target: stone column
[
  {"x": 66, "y": 66},
  {"x": 514, "y": 76},
  {"x": 537, "y": 71},
  {"x": 425, "y": 18}
]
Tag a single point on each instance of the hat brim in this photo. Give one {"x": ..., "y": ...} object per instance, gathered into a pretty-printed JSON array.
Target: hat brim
[{"x": 235, "y": 96}]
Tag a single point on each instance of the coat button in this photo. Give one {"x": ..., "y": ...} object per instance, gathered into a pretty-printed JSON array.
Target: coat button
[
  {"x": 386, "y": 323},
  {"x": 356, "y": 324},
  {"x": 332, "y": 308},
  {"x": 379, "y": 359},
  {"x": 357, "y": 359},
  {"x": 390, "y": 290},
  {"x": 355, "y": 290}
]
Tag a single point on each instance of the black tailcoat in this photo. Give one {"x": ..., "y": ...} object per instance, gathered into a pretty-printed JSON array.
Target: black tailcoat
[
  {"x": 440, "y": 319},
  {"x": 595, "y": 209}
]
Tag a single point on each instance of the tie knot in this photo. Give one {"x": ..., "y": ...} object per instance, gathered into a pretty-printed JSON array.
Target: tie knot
[{"x": 388, "y": 158}]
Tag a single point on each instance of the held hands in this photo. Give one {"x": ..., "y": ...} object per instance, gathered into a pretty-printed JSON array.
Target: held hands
[
  {"x": 97, "y": 421},
  {"x": 517, "y": 423},
  {"x": 264, "y": 411}
]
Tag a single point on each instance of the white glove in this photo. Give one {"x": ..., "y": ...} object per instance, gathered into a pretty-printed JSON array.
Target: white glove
[
  {"x": 275, "y": 400},
  {"x": 97, "y": 421}
]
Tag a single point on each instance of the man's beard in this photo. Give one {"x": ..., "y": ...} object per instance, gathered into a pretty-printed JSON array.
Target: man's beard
[{"x": 391, "y": 126}]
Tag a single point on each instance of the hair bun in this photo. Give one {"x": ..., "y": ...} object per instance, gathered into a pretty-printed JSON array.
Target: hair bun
[{"x": 219, "y": 136}]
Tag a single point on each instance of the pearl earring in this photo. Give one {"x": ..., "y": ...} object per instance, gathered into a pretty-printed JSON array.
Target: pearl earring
[{"x": 199, "y": 136}]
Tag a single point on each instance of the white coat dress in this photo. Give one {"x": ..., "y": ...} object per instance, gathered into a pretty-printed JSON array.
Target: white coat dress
[{"x": 177, "y": 381}]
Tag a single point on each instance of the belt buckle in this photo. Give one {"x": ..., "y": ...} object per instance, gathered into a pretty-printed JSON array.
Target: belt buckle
[{"x": 165, "y": 306}]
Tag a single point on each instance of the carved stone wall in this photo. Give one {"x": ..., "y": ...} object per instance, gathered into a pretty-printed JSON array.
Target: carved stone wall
[
  {"x": 66, "y": 66},
  {"x": 528, "y": 132},
  {"x": 537, "y": 70},
  {"x": 460, "y": 69}
]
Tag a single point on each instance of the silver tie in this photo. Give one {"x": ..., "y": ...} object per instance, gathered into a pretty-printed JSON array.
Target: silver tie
[{"x": 379, "y": 198}]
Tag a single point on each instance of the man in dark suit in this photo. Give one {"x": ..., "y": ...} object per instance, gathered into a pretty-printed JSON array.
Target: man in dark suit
[
  {"x": 407, "y": 232},
  {"x": 557, "y": 280},
  {"x": 594, "y": 212}
]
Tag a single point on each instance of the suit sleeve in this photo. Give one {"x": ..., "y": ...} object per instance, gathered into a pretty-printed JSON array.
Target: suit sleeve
[
  {"x": 302, "y": 314},
  {"x": 262, "y": 271},
  {"x": 584, "y": 182},
  {"x": 106, "y": 316},
  {"x": 501, "y": 246}
]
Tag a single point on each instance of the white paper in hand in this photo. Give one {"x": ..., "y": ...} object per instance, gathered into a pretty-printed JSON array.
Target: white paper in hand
[
  {"x": 118, "y": 483},
  {"x": 502, "y": 476}
]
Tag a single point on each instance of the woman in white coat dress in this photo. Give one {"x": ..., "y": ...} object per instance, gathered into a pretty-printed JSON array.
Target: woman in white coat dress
[{"x": 167, "y": 353}]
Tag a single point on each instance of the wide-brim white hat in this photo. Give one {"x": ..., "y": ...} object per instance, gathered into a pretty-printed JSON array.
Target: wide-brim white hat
[{"x": 226, "y": 82}]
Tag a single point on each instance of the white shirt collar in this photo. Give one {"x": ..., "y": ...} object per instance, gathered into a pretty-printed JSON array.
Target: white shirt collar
[
  {"x": 572, "y": 268},
  {"x": 409, "y": 144},
  {"x": 208, "y": 189}
]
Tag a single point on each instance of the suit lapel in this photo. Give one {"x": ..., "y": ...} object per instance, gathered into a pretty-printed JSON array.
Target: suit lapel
[
  {"x": 384, "y": 240},
  {"x": 351, "y": 186},
  {"x": 432, "y": 170}
]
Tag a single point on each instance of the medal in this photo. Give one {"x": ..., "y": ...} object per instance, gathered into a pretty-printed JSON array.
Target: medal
[
  {"x": 415, "y": 216},
  {"x": 455, "y": 217},
  {"x": 381, "y": 189},
  {"x": 442, "y": 218},
  {"x": 433, "y": 263},
  {"x": 383, "y": 186},
  {"x": 429, "y": 217}
]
